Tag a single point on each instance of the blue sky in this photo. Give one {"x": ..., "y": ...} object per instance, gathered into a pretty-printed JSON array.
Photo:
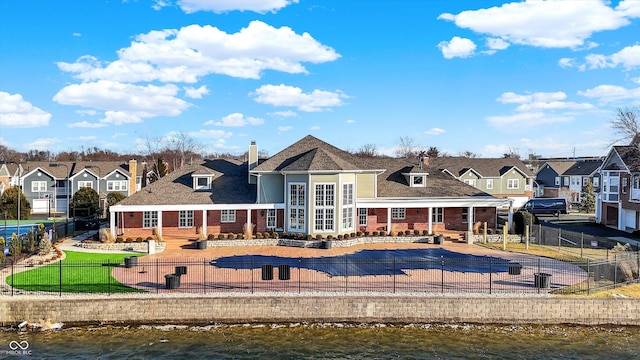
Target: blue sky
[{"x": 541, "y": 77}]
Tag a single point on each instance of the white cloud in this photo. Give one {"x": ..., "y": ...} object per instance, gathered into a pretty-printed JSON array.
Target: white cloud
[
  {"x": 549, "y": 24},
  {"x": 159, "y": 4},
  {"x": 89, "y": 137},
  {"x": 351, "y": 121},
  {"x": 196, "y": 93},
  {"x": 526, "y": 120},
  {"x": 314, "y": 128},
  {"x": 43, "y": 144},
  {"x": 86, "y": 124},
  {"x": 567, "y": 62},
  {"x": 629, "y": 58},
  {"x": 236, "y": 119},
  {"x": 124, "y": 103},
  {"x": 194, "y": 51},
  {"x": 542, "y": 101},
  {"x": 284, "y": 114},
  {"x": 284, "y": 95},
  {"x": 210, "y": 134},
  {"x": 435, "y": 131},
  {"x": 282, "y": 129},
  {"x": 497, "y": 44},
  {"x": 85, "y": 112},
  {"x": 457, "y": 47},
  {"x": 612, "y": 94},
  {"x": 222, "y": 6},
  {"x": 495, "y": 150},
  {"x": 19, "y": 113},
  {"x": 76, "y": 34},
  {"x": 117, "y": 135}
]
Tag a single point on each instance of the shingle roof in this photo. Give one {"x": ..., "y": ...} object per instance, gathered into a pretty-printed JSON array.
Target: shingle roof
[
  {"x": 229, "y": 186},
  {"x": 486, "y": 167},
  {"x": 310, "y": 154},
  {"x": 74, "y": 167},
  {"x": 560, "y": 166},
  {"x": 584, "y": 168},
  {"x": 630, "y": 155}
]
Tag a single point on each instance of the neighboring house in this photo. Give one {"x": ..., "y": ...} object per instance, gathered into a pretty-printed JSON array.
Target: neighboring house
[
  {"x": 9, "y": 175},
  {"x": 581, "y": 173},
  {"x": 500, "y": 177},
  {"x": 48, "y": 186},
  {"x": 310, "y": 187},
  {"x": 551, "y": 181},
  {"x": 618, "y": 202}
]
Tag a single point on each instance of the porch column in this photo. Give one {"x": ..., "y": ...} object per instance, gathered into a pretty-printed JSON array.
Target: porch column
[
  {"x": 204, "y": 222},
  {"x": 430, "y": 214},
  {"x": 510, "y": 216},
  {"x": 159, "y": 234},
  {"x": 470, "y": 218},
  {"x": 388, "y": 220},
  {"x": 621, "y": 216},
  {"x": 248, "y": 216},
  {"x": 112, "y": 223}
]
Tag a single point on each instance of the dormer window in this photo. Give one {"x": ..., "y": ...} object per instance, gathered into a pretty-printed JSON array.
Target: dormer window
[
  {"x": 202, "y": 182},
  {"x": 418, "y": 180}
]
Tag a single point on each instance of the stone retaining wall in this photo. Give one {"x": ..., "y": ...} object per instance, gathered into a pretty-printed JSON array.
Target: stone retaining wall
[
  {"x": 281, "y": 308},
  {"x": 142, "y": 247},
  {"x": 318, "y": 243},
  {"x": 496, "y": 238}
]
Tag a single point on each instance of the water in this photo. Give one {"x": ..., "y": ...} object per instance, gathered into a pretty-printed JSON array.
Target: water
[{"x": 330, "y": 341}]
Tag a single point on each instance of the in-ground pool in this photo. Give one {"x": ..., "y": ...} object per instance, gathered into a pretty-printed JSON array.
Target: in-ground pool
[{"x": 375, "y": 262}]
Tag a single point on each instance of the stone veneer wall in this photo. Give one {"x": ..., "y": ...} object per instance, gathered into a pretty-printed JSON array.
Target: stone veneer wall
[
  {"x": 137, "y": 247},
  {"x": 395, "y": 308},
  {"x": 318, "y": 243}
]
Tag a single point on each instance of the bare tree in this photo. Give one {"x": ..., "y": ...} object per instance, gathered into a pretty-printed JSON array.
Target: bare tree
[
  {"x": 468, "y": 154},
  {"x": 511, "y": 154},
  {"x": 433, "y": 152},
  {"x": 406, "y": 148},
  {"x": 180, "y": 147},
  {"x": 626, "y": 124},
  {"x": 366, "y": 150}
]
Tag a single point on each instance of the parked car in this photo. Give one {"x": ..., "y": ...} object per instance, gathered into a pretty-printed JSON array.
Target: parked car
[{"x": 546, "y": 206}]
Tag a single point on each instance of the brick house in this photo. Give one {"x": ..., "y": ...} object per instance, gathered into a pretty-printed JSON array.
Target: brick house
[{"x": 310, "y": 187}]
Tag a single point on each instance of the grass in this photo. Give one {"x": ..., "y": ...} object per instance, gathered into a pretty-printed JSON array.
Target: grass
[
  {"x": 538, "y": 250},
  {"x": 81, "y": 273}
]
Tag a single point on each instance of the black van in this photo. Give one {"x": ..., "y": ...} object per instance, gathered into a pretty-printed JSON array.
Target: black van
[{"x": 546, "y": 206}]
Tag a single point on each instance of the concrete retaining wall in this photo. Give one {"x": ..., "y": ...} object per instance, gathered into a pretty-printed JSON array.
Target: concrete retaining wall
[{"x": 395, "y": 308}]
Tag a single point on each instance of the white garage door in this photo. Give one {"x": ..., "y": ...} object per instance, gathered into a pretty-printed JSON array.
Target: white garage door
[{"x": 40, "y": 206}]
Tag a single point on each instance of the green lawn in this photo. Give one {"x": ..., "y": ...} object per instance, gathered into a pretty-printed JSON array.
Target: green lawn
[{"x": 81, "y": 273}]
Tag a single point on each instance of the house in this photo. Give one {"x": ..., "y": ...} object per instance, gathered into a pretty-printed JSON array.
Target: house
[
  {"x": 500, "y": 177},
  {"x": 618, "y": 201},
  {"x": 310, "y": 187},
  {"x": 551, "y": 181},
  {"x": 49, "y": 186},
  {"x": 9, "y": 175},
  {"x": 581, "y": 173}
]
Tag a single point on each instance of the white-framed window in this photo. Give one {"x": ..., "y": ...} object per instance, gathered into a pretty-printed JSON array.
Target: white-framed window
[
  {"x": 271, "y": 218},
  {"x": 513, "y": 183},
  {"x": 465, "y": 215},
  {"x": 325, "y": 207},
  {"x": 297, "y": 205},
  {"x": 596, "y": 182},
  {"x": 566, "y": 180},
  {"x": 85, "y": 184},
  {"x": 37, "y": 186},
  {"x": 347, "y": 206},
  {"x": 201, "y": 182},
  {"x": 611, "y": 186},
  {"x": 185, "y": 219},
  {"x": 117, "y": 185},
  {"x": 417, "y": 180},
  {"x": 437, "y": 215},
  {"x": 362, "y": 216},
  {"x": 398, "y": 213},
  {"x": 489, "y": 184},
  {"x": 149, "y": 219},
  {"x": 471, "y": 182},
  {"x": 557, "y": 180},
  {"x": 228, "y": 216}
]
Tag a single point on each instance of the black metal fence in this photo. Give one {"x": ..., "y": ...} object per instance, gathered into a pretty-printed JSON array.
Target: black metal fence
[
  {"x": 255, "y": 274},
  {"x": 575, "y": 243}
]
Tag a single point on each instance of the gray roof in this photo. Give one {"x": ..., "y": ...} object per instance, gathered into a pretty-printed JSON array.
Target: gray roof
[
  {"x": 229, "y": 186},
  {"x": 486, "y": 167},
  {"x": 101, "y": 168},
  {"x": 630, "y": 155},
  {"x": 583, "y": 168}
]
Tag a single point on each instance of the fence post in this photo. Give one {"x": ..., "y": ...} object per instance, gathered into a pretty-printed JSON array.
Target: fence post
[
  {"x": 538, "y": 273},
  {"x": 441, "y": 273},
  {"x": 615, "y": 271},
  {"x": 581, "y": 244},
  {"x": 299, "y": 274},
  {"x": 157, "y": 278},
  {"x": 60, "y": 276},
  {"x": 109, "y": 276},
  {"x": 13, "y": 260},
  {"x": 204, "y": 275},
  {"x": 588, "y": 277},
  {"x": 252, "y": 274},
  {"x": 526, "y": 235},
  {"x": 559, "y": 238},
  {"x": 346, "y": 273}
]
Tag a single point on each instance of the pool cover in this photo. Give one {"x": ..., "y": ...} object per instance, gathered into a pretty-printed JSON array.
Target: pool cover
[{"x": 374, "y": 262}]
